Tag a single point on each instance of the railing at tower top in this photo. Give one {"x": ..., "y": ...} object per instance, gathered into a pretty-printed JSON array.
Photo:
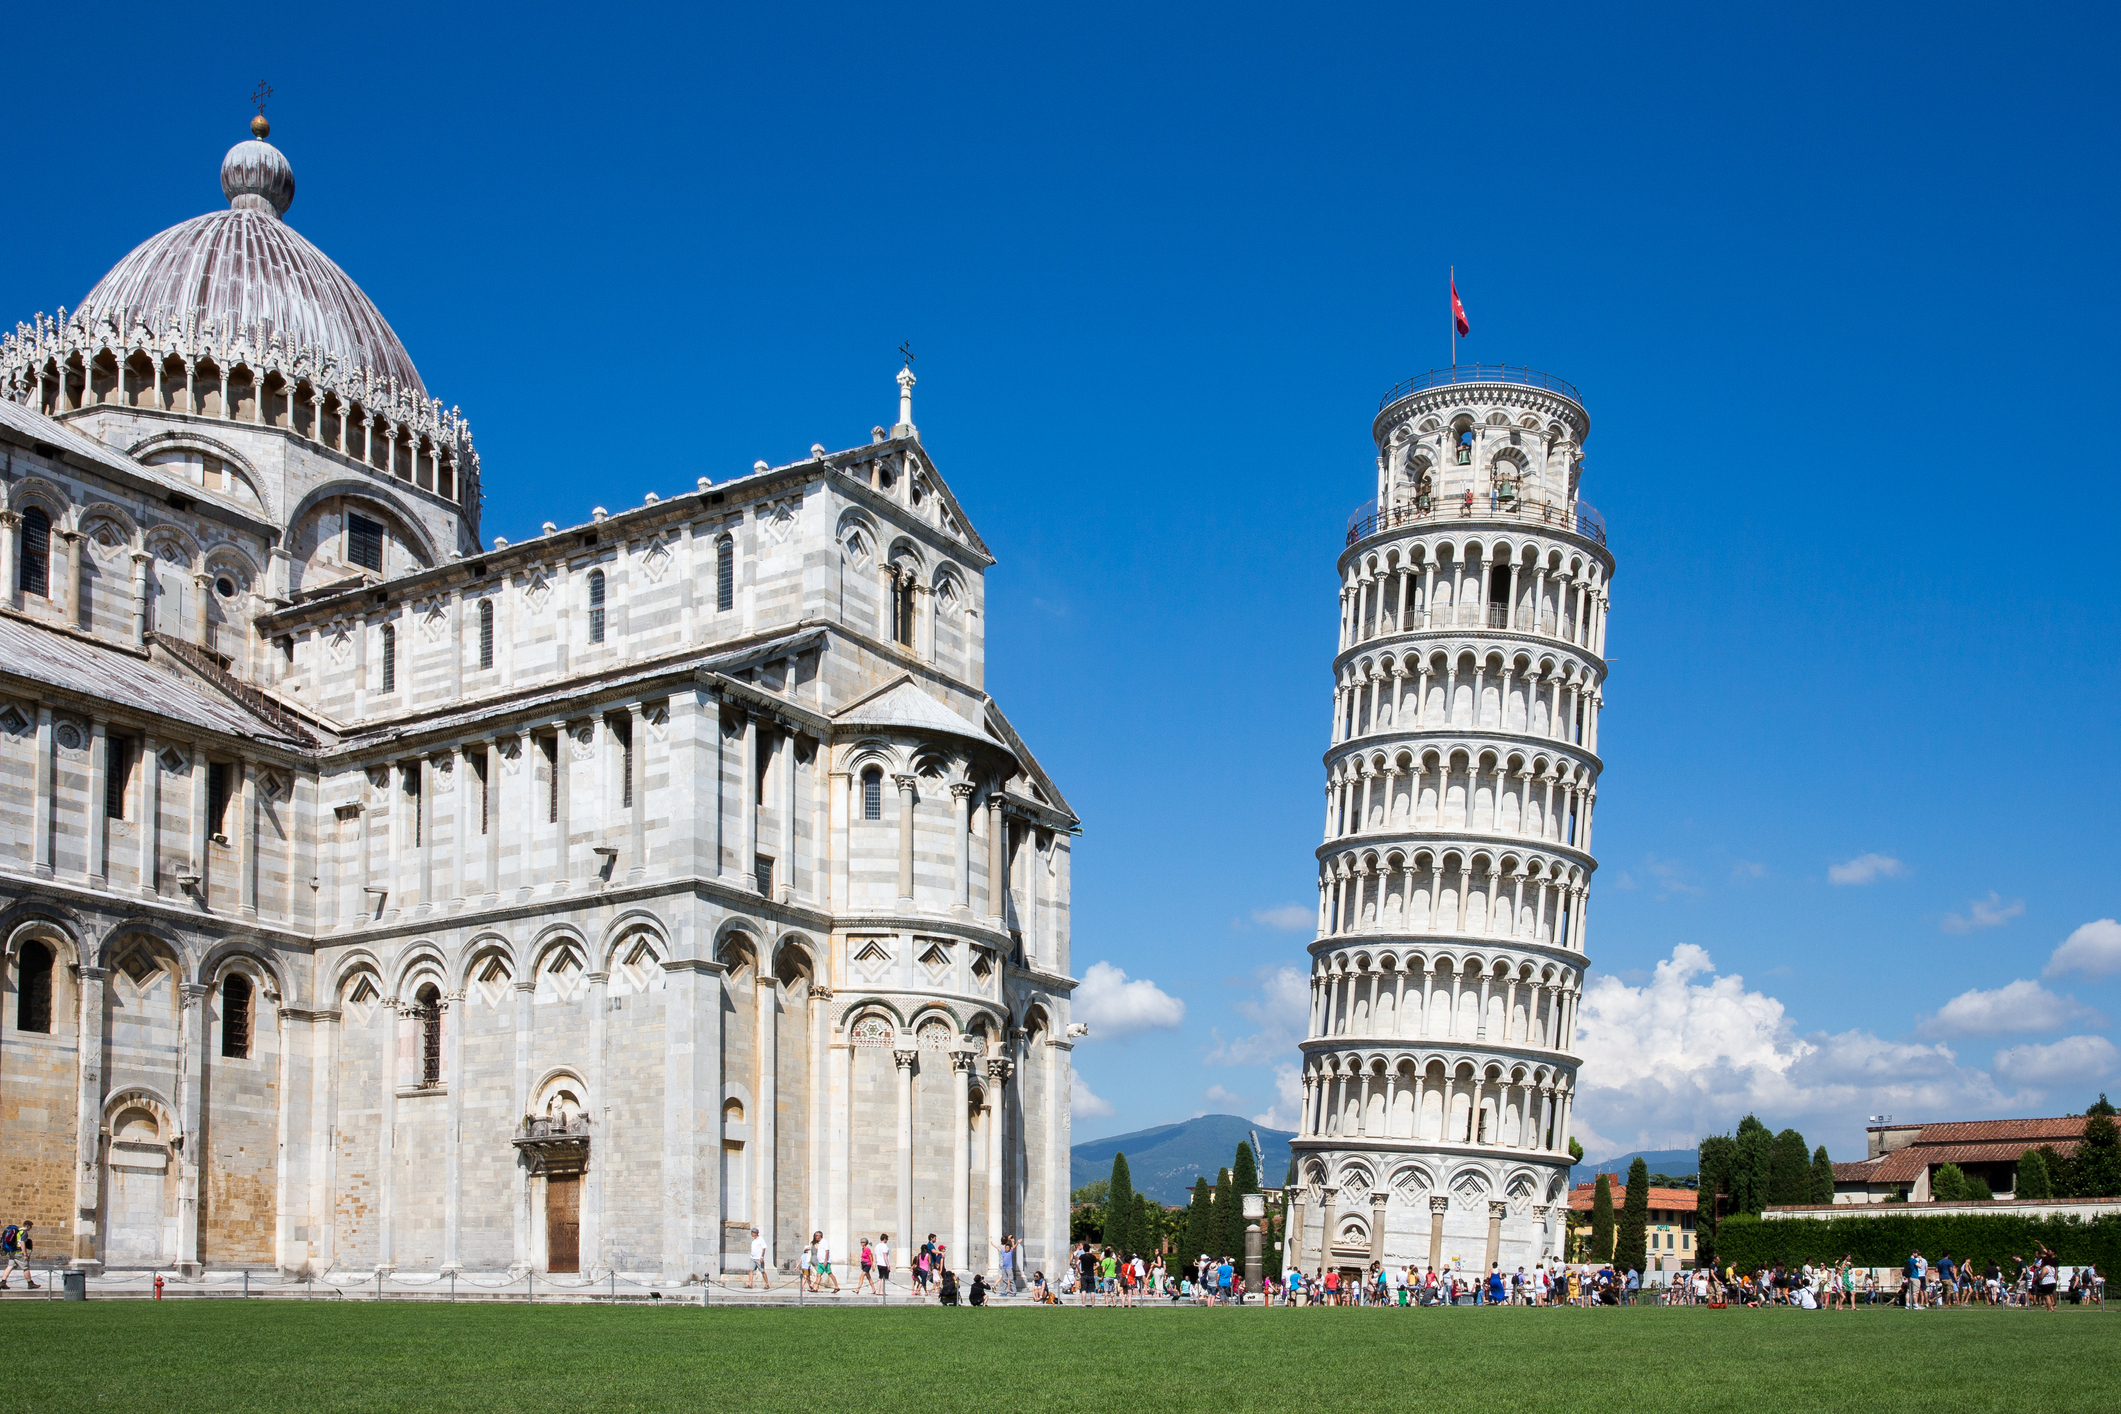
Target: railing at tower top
[
  {"x": 1479, "y": 373},
  {"x": 1584, "y": 519}
]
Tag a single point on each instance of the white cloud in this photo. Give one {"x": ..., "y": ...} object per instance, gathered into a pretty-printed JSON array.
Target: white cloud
[
  {"x": 2016, "y": 1007},
  {"x": 1688, "y": 1052},
  {"x": 2094, "y": 950},
  {"x": 1865, "y": 869},
  {"x": 1748, "y": 869},
  {"x": 1987, "y": 912},
  {"x": 2074, "y": 1062},
  {"x": 1288, "y": 1100},
  {"x": 1224, "y": 1101},
  {"x": 1116, "y": 1008},
  {"x": 1289, "y": 917},
  {"x": 1084, "y": 1103},
  {"x": 1281, "y": 1011}
]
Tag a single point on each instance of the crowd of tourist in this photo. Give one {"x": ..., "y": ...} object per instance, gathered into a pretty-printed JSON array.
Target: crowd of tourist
[{"x": 1924, "y": 1285}]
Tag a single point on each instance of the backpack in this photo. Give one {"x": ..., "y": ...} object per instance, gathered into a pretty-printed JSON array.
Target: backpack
[{"x": 10, "y": 1238}]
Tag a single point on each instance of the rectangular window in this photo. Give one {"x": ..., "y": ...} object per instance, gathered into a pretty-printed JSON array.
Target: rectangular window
[
  {"x": 596, "y": 606},
  {"x": 485, "y": 634},
  {"x": 623, "y": 730},
  {"x": 217, "y": 799},
  {"x": 873, "y": 796},
  {"x": 762, "y": 868},
  {"x": 413, "y": 802},
  {"x": 117, "y": 775},
  {"x": 364, "y": 543},
  {"x": 235, "y": 1016},
  {"x": 550, "y": 745},
  {"x": 724, "y": 574},
  {"x": 482, "y": 769},
  {"x": 390, "y": 658}
]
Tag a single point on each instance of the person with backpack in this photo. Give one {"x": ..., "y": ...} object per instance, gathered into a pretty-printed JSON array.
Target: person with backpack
[{"x": 16, "y": 1245}]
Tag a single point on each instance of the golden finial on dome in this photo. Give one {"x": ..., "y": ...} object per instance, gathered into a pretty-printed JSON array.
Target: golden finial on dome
[{"x": 258, "y": 126}]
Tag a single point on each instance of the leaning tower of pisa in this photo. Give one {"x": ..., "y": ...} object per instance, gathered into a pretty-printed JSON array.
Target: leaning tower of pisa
[{"x": 1440, "y": 1062}]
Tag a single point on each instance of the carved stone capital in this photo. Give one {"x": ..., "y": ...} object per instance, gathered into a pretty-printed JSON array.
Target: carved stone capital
[
  {"x": 1438, "y": 1203},
  {"x": 905, "y": 1058}
]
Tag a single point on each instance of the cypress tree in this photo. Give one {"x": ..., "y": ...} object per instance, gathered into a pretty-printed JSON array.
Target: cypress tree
[
  {"x": 2034, "y": 1180},
  {"x": 1822, "y": 1176},
  {"x": 1750, "y": 1167},
  {"x": 1602, "y": 1219},
  {"x": 1198, "y": 1232},
  {"x": 1226, "y": 1225},
  {"x": 1631, "y": 1237},
  {"x": 1146, "y": 1234},
  {"x": 1948, "y": 1184},
  {"x": 1717, "y": 1155},
  {"x": 2096, "y": 1169},
  {"x": 1244, "y": 1173},
  {"x": 1789, "y": 1169},
  {"x": 1119, "y": 1206}
]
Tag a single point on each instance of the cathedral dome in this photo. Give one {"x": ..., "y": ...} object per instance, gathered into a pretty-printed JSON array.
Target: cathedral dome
[{"x": 245, "y": 271}]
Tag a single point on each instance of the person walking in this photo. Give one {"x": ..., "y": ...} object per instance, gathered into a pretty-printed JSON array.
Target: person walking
[
  {"x": 868, "y": 1277},
  {"x": 17, "y": 1245},
  {"x": 758, "y": 1263},
  {"x": 821, "y": 1264},
  {"x": 883, "y": 1262}
]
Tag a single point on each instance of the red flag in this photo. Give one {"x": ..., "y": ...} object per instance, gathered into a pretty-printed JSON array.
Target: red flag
[{"x": 1458, "y": 311}]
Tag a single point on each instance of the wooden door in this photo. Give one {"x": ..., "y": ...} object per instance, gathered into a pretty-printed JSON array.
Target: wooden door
[{"x": 563, "y": 1223}]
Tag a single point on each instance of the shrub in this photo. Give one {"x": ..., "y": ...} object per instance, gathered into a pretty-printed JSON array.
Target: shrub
[{"x": 1885, "y": 1240}]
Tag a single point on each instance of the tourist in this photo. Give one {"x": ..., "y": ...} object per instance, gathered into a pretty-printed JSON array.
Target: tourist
[
  {"x": 2044, "y": 1283},
  {"x": 883, "y": 1262},
  {"x": 868, "y": 1277},
  {"x": 1224, "y": 1273},
  {"x": 1495, "y": 1284},
  {"x": 758, "y": 1263},
  {"x": 1108, "y": 1278},
  {"x": 923, "y": 1268},
  {"x": 1006, "y": 1262},
  {"x": 978, "y": 1293},
  {"x": 17, "y": 1246},
  {"x": 1293, "y": 1288},
  {"x": 820, "y": 1261},
  {"x": 948, "y": 1288},
  {"x": 1039, "y": 1295},
  {"x": 1086, "y": 1278}
]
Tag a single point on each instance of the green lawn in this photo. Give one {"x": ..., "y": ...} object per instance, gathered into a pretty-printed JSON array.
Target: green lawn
[{"x": 226, "y": 1356}]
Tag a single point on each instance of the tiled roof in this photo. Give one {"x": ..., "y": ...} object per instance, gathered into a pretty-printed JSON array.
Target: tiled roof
[
  {"x": 1860, "y": 1171},
  {"x": 1906, "y": 1165},
  {"x": 61, "y": 661},
  {"x": 1683, "y": 1200},
  {"x": 1997, "y": 1131}
]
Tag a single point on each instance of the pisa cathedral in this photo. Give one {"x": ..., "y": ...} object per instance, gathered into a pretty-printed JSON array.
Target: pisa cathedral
[
  {"x": 375, "y": 897},
  {"x": 1440, "y": 1060}
]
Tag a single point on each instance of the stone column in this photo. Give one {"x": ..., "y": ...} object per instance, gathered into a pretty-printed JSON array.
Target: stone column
[
  {"x": 960, "y": 1157},
  {"x": 961, "y": 794},
  {"x": 842, "y": 813},
  {"x": 88, "y": 1120},
  {"x": 453, "y": 1132},
  {"x": 905, "y": 840},
  {"x": 1498, "y": 1209},
  {"x": 1325, "y": 1226},
  {"x": 748, "y": 806},
  {"x": 997, "y": 1108},
  {"x": 1439, "y": 1203},
  {"x": 247, "y": 840},
  {"x": 904, "y": 1245},
  {"x": 98, "y": 794},
  {"x": 150, "y": 813},
  {"x": 525, "y": 987},
  {"x": 41, "y": 801},
  {"x": 839, "y": 1217},
  {"x": 815, "y": 1008},
  {"x": 1378, "y": 1199},
  {"x": 10, "y": 536},
  {"x": 766, "y": 992},
  {"x": 692, "y": 1102},
  {"x": 1292, "y": 1237},
  {"x": 191, "y": 1063},
  {"x": 997, "y": 861}
]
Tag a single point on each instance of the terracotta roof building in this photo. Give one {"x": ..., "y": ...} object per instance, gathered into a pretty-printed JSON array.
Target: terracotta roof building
[
  {"x": 1904, "y": 1158},
  {"x": 1669, "y": 1233}
]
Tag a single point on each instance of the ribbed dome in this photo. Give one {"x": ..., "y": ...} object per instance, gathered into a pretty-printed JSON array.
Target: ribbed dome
[{"x": 244, "y": 269}]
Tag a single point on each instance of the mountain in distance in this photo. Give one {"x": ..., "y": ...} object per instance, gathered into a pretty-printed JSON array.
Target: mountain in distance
[
  {"x": 1676, "y": 1163},
  {"x": 1164, "y": 1161}
]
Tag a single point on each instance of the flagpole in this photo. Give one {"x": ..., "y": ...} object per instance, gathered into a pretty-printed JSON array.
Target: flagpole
[{"x": 1452, "y": 315}]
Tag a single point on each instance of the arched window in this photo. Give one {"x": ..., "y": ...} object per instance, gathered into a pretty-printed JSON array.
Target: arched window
[
  {"x": 33, "y": 989},
  {"x": 390, "y": 658},
  {"x": 902, "y": 605},
  {"x": 35, "y": 574},
  {"x": 873, "y": 794},
  {"x": 235, "y": 1016},
  {"x": 485, "y": 633},
  {"x": 724, "y": 575},
  {"x": 596, "y": 606},
  {"x": 428, "y": 1008}
]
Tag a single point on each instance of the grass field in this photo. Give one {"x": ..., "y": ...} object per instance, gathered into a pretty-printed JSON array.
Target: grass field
[{"x": 230, "y": 1357}]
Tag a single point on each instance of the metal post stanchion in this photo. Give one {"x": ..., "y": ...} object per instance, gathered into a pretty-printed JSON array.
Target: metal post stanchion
[
  {"x": 614, "y": 1285},
  {"x": 530, "y": 1286},
  {"x": 246, "y": 1283},
  {"x": 379, "y": 1283}
]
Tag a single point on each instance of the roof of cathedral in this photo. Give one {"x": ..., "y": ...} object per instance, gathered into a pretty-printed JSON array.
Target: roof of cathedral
[
  {"x": 246, "y": 269},
  {"x": 901, "y": 706},
  {"x": 71, "y": 664}
]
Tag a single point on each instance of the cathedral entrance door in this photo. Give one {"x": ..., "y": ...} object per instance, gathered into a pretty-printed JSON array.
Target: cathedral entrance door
[{"x": 563, "y": 1223}]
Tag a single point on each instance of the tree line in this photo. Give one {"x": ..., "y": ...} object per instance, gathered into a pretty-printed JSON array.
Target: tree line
[{"x": 1110, "y": 1213}]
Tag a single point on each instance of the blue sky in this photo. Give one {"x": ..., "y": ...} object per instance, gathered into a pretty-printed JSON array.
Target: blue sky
[{"x": 1836, "y": 285}]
